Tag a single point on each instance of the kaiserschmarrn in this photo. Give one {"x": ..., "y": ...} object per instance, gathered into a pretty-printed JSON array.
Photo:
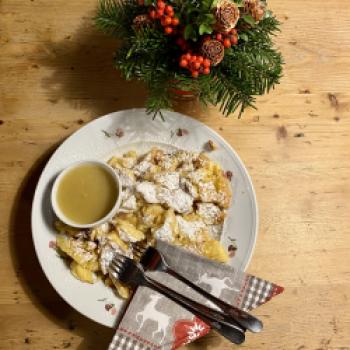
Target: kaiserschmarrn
[{"x": 177, "y": 196}]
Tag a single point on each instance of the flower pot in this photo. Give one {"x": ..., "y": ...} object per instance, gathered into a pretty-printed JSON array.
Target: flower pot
[{"x": 181, "y": 94}]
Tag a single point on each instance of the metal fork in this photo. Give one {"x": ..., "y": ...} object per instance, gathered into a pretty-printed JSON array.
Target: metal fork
[
  {"x": 153, "y": 260},
  {"x": 131, "y": 273}
]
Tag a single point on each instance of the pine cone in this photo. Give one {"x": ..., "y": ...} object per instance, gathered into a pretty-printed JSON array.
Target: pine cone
[
  {"x": 141, "y": 21},
  {"x": 227, "y": 15},
  {"x": 213, "y": 50},
  {"x": 254, "y": 8}
]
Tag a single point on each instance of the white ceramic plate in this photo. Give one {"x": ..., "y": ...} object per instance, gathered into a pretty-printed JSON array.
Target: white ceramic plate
[{"x": 98, "y": 140}]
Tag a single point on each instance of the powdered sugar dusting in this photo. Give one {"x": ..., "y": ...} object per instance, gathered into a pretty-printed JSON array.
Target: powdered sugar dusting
[
  {"x": 141, "y": 168},
  {"x": 188, "y": 187},
  {"x": 148, "y": 191},
  {"x": 129, "y": 202},
  {"x": 170, "y": 180},
  {"x": 126, "y": 177},
  {"x": 190, "y": 229},
  {"x": 78, "y": 246},
  {"x": 165, "y": 232},
  {"x": 215, "y": 230},
  {"x": 207, "y": 192},
  {"x": 209, "y": 212},
  {"x": 178, "y": 200}
]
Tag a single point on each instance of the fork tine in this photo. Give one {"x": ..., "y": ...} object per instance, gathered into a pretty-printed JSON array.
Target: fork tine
[
  {"x": 118, "y": 261},
  {"x": 115, "y": 268},
  {"x": 138, "y": 249},
  {"x": 119, "y": 257},
  {"x": 117, "y": 264}
]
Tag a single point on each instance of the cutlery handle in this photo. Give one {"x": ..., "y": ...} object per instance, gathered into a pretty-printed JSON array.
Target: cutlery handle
[
  {"x": 243, "y": 318},
  {"x": 214, "y": 318}
]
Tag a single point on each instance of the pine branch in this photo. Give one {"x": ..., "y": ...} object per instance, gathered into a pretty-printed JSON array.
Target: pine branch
[
  {"x": 261, "y": 32},
  {"x": 250, "y": 68},
  {"x": 231, "y": 94},
  {"x": 157, "y": 101},
  {"x": 148, "y": 41},
  {"x": 256, "y": 66},
  {"x": 115, "y": 16},
  {"x": 145, "y": 57}
]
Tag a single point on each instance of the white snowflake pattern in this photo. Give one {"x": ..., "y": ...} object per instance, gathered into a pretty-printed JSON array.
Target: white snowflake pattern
[{"x": 194, "y": 332}]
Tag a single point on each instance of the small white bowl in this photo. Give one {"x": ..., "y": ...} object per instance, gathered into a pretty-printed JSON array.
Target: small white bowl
[{"x": 106, "y": 218}]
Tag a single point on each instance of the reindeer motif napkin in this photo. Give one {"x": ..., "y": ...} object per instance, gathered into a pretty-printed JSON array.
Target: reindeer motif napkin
[{"x": 152, "y": 321}]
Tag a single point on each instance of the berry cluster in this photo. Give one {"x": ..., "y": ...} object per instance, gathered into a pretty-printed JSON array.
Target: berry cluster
[
  {"x": 165, "y": 13},
  {"x": 228, "y": 38},
  {"x": 195, "y": 64}
]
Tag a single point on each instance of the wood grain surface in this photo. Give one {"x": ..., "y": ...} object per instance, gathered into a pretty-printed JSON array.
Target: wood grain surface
[{"x": 56, "y": 75}]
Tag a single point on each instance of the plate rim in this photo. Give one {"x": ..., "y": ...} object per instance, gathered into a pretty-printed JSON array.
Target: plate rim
[{"x": 252, "y": 242}]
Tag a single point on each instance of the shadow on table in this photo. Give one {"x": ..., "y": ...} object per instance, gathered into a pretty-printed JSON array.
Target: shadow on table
[
  {"x": 31, "y": 276},
  {"x": 83, "y": 75}
]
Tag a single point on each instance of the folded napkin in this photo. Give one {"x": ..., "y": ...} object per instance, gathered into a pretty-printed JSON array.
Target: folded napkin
[{"x": 152, "y": 321}]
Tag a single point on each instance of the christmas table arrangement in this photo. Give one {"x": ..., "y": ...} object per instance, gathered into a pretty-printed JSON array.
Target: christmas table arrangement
[{"x": 220, "y": 51}]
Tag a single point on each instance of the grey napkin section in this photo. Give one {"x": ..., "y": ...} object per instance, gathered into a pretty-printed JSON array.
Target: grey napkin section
[{"x": 152, "y": 321}]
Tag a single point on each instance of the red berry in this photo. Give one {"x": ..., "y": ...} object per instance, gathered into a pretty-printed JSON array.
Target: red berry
[
  {"x": 175, "y": 21},
  {"x": 193, "y": 58},
  {"x": 160, "y": 13},
  {"x": 196, "y": 65},
  {"x": 168, "y": 30},
  {"x": 183, "y": 63},
  {"x": 200, "y": 59},
  {"x": 188, "y": 57},
  {"x": 195, "y": 74},
  {"x": 234, "y": 40},
  {"x": 234, "y": 31},
  {"x": 161, "y": 5},
  {"x": 141, "y": 2},
  {"x": 167, "y": 20},
  {"x": 206, "y": 63},
  {"x": 206, "y": 38},
  {"x": 153, "y": 14},
  {"x": 227, "y": 43},
  {"x": 219, "y": 36},
  {"x": 206, "y": 70},
  {"x": 169, "y": 9}
]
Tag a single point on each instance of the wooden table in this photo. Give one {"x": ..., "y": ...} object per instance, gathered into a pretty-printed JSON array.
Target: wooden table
[{"x": 56, "y": 75}]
